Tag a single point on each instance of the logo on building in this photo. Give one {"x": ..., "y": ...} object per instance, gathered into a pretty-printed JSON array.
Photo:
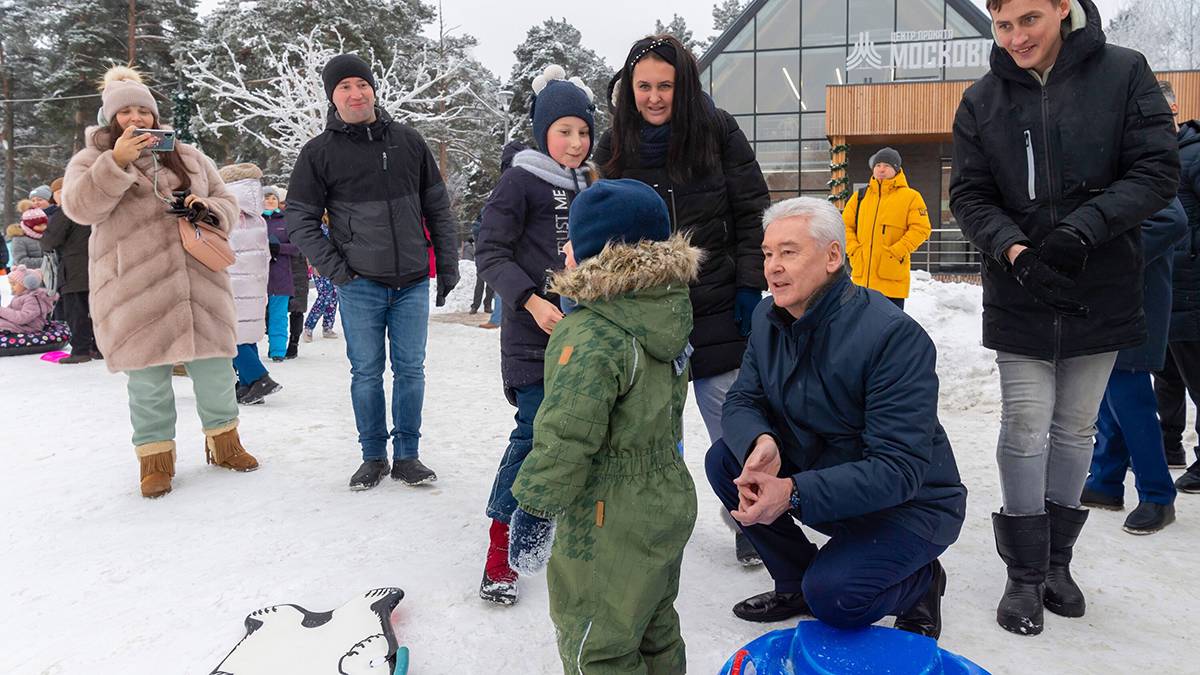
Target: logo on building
[
  {"x": 864, "y": 54},
  {"x": 920, "y": 50}
]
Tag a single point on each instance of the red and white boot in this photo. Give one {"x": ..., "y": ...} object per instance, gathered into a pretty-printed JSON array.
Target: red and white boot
[{"x": 499, "y": 583}]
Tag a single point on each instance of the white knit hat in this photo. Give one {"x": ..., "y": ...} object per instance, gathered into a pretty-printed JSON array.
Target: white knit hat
[{"x": 123, "y": 87}]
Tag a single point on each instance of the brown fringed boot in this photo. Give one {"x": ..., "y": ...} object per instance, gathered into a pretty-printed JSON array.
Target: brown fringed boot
[
  {"x": 223, "y": 448},
  {"x": 157, "y": 462}
]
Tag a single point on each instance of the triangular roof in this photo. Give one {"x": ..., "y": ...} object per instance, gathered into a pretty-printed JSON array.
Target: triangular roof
[{"x": 965, "y": 8}]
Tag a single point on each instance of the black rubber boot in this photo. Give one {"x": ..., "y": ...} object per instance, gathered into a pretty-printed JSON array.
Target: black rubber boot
[
  {"x": 1023, "y": 543},
  {"x": 1063, "y": 596}
]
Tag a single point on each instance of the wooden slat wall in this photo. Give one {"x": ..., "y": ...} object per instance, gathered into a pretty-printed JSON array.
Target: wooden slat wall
[{"x": 916, "y": 109}]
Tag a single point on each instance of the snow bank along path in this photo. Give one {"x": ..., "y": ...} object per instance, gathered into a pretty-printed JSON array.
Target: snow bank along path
[{"x": 95, "y": 579}]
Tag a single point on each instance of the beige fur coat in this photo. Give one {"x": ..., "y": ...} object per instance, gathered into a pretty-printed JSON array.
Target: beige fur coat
[{"x": 151, "y": 303}]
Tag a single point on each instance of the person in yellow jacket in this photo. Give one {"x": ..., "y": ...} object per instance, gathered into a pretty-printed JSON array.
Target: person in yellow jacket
[{"x": 885, "y": 223}]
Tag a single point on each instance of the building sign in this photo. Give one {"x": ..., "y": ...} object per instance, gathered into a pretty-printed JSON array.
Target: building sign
[{"x": 920, "y": 50}]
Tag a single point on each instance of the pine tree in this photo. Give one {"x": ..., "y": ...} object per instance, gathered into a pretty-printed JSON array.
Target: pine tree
[
  {"x": 29, "y": 147},
  {"x": 555, "y": 41},
  {"x": 1166, "y": 31},
  {"x": 723, "y": 14},
  {"x": 679, "y": 30}
]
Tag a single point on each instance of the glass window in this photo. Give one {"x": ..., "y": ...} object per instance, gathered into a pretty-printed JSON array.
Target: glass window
[
  {"x": 778, "y": 127},
  {"x": 824, "y": 22},
  {"x": 706, "y": 81},
  {"x": 778, "y": 162},
  {"x": 869, "y": 64},
  {"x": 962, "y": 27},
  {"x": 746, "y": 124},
  {"x": 820, "y": 67},
  {"x": 778, "y": 196},
  {"x": 744, "y": 39},
  {"x": 733, "y": 82},
  {"x": 814, "y": 165},
  {"x": 779, "y": 24},
  {"x": 876, "y": 18},
  {"x": 921, "y": 15},
  {"x": 812, "y": 125},
  {"x": 778, "y": 75},
  {"x": 973, "y": 54}
]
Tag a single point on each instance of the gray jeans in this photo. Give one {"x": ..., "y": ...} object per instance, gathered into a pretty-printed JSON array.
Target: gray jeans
[{"x": 1047, "y": 422}]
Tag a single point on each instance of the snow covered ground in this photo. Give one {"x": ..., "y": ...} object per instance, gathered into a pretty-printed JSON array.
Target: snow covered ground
[{"x": 95, "y": 579}]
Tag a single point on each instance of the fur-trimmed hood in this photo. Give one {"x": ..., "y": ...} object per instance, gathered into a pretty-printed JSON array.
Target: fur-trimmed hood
[
  {"x": 642, "y": 287},
  {"x": 235, "y": 172},
  {"x": 15, "y": 230}
]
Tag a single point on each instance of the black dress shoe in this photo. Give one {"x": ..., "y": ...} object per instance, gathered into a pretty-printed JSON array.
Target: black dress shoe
[
  {"x": 1099, "y": 500},
  {"x": 1149, "y": 518},
  {"x": 1176, "y": 457},
  {"x": 925, "y": 617},
  {"x": 744, "y": 550},
  {"x": 1189, "y": 482},
  {"x": 772, "y": 606}
]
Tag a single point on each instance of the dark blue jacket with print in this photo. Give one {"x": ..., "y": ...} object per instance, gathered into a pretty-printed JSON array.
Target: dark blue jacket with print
[{"x": 850, "y": 392}]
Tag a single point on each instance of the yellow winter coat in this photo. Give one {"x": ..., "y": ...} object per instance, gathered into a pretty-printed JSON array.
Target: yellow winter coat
[{"x": 887, "y": 232}]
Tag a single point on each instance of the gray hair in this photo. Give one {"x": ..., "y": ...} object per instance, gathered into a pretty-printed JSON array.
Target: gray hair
[
  {"x": 1168, "y": 91},
  {"x": 824, "y": 221}
]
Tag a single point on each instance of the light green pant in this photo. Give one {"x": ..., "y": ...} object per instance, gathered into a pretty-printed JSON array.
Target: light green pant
[{"x": 152, "y": 398}]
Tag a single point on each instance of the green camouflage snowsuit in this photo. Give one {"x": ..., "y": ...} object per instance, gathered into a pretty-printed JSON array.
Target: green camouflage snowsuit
[{"x": 605, "y": 463}]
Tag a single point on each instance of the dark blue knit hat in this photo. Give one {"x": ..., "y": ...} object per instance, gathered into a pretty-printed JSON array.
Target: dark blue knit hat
[
  {"x": 555, "y": 97},
  {"x": 621, "y": 210}
]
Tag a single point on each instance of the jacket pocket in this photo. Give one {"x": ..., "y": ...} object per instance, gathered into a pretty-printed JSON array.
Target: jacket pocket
[
  {"x": 892, "y": 268},
  {"x": 369, "y": 251},
  {"x": 1031, "y": 175}
]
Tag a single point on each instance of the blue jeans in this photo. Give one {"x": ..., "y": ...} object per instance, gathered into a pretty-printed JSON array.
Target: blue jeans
[
  {"x": 710, "y": 398},
  {"x": 867, "y": 570},
  {"x": 1127, "y": 433},
  {"x": 497, "y": 306},
  {"x": 248, "y": 365},
  {"x": 369, "y": 312},
  {"x": 501, "y": 503},
  {"x": 277, "y": 325}
]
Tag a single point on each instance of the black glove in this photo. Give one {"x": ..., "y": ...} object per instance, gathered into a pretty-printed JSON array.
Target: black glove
[
  {"x": 1065, "y": 250},
  {"x": 1044, "y": 284},
  {"x": 446, "y": 281},
  {"x": 196, "y": 212}
]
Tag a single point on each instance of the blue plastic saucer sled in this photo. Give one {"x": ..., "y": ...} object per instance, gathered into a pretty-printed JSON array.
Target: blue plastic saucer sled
[{"x": 814, "y": 648}]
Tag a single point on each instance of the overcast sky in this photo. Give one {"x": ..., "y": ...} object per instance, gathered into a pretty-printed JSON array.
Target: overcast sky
[{"x": 608, "y": 26}]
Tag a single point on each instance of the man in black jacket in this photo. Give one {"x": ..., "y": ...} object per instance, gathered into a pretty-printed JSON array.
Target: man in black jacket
[
  {"x": 69, "y": 241},
  {"x": 378, "y": 182},
  {"x": 1181, "y": 373},
  {"x": 1060, "y": 152}
]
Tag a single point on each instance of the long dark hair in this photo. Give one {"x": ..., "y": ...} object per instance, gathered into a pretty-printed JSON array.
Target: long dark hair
[
  {"x": 694, "y": 149},
  {"x": 172, "y": 160}
]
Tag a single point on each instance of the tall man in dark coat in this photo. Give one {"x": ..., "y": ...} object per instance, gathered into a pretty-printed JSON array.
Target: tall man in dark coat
[
  {"x": 1181, "y": 371},
  {"x": 69, "y": 240},
  {"x": 378, "y": 181},
  {"x": 833, "y": 422},
  {"x": 1060, "y": 153}
]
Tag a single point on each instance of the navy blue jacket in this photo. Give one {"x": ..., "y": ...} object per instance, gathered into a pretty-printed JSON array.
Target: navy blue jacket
[
  {"x": 1185, "y": 306},
  {"x": 1160, "y": 233},
  {"x": 850, "y": 392},
  {"x": 519, "y": 245}
]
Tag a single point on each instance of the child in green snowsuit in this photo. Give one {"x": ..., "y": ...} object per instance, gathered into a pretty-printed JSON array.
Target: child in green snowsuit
[{"x": 604, "y": 494}]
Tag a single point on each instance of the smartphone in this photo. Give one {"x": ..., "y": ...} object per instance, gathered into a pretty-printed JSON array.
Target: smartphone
[{"x": 164, "y": 139}]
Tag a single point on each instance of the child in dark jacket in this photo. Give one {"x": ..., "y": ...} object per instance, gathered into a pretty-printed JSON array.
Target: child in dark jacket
[{"x": 520, "y": 244}]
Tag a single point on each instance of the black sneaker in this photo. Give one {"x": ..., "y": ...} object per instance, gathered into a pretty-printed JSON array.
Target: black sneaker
[
  {"x": 81, "y": 357},
  {"x": 1149, "y": 518},
  {"x": 771, "y": 606},
  {"x": 241, "y": 392},
  {"x": 1176, "y": 457},
  {"x": 369, "y": 474},
  {"x": 1099, "y": 500},
  {"x": 1189, "y": 482},
  {"x": 258, "y": 390},
  {"x": 499, "y": 592},
  {"x": 292, "y": 352},
  {"x": 746, "y": 555},
  {"x": 412, "y": 472}
]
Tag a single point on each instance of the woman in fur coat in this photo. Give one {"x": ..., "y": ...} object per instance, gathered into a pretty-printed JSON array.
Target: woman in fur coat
[{"x": 154, "y": 305}]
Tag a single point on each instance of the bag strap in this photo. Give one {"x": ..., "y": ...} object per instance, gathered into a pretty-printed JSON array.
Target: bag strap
[{"x": 862, "y": 194}]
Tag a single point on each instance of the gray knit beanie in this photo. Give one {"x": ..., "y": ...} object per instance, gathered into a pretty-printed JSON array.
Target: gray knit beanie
[{"x": 887, "y": 156}]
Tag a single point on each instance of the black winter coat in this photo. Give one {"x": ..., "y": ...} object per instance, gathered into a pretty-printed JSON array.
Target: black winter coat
[
  {"x": 1185, "y": 306},
  {"x": 520, "y": 244},
  {"x": 850, "y": 393},
  {"x": 1094, "y": 149},
  {"x": 723, "y": 211},
  {"x": 70, "y": 240},
  {"x": 1159, "y": 233},
  {"x": 377, "y": 182}
]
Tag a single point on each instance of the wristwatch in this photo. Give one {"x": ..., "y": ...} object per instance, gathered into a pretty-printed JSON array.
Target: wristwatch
[{"x": 794, "y": 500}]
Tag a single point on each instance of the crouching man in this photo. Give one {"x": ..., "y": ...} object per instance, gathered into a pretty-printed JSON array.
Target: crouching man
[{"x": 833, "y": 422}]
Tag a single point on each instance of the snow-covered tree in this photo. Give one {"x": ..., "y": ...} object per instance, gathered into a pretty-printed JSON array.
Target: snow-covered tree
[
  {"x": 1166, "y": 31},
  {"x": 678, "y": 28},
  {"x": 724, "y": 14},
  {"x": 555, "y": 41}
]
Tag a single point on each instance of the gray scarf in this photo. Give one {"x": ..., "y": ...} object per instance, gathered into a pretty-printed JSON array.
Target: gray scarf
[{"x": 544, "y": 167}]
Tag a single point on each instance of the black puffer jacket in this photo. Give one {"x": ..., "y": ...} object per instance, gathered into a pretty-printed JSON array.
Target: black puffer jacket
[
  {"x": 70, "y": 240},
  {"x": 723, "y": 212},
  {"x": 1094, "y": 149},
  {"x": 378, "y": 182},
  {"x": 1185, "y": 307}
]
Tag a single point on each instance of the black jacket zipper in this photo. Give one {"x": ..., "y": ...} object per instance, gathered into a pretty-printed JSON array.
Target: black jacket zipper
[
  {"x": 1050, "y": 193},
  {"x": 387, "y": 204},
  {"x": 874, "y": 221}
]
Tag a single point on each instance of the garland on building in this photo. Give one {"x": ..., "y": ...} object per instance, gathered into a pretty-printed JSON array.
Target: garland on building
[{"x": 843, "y": 181}]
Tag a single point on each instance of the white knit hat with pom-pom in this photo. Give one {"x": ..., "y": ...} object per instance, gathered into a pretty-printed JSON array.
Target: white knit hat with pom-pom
[{"x": 123, "y": 87}]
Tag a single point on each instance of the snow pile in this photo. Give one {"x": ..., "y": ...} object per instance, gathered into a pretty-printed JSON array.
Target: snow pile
[
  {"x": 459, "y": 299},
  {"x": 951, "y": 314}
]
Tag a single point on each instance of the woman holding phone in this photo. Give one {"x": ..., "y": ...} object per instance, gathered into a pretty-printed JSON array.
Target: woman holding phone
[{"x": 153, "y": 304}]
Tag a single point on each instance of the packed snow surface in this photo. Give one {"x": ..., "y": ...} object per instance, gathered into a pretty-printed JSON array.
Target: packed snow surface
[{"x": 96, "y": 579}]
